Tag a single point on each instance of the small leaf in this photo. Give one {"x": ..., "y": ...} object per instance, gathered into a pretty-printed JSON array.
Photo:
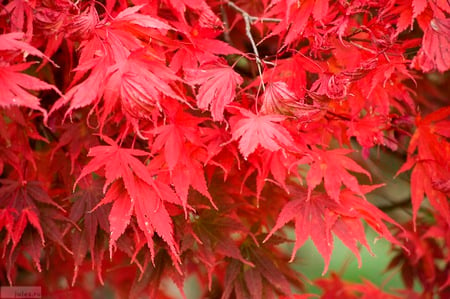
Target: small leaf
[
  {"x": 264, "y": 130},
  {"x": 217, "y": 87}
]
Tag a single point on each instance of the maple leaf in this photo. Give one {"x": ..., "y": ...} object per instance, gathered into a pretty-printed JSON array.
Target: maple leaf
[
  {"x": 298, "y": 18},
  {"x": 130, "y": 17},
  {"x": 150, "y": 212},
  {"x": 148, "y": 284},
  {"x": 137, "y": 191},
  {"x": 25, "y": 205},
  {"x": 140, "y": 83},
  {"x": 13, "y": 42},
  {"x": 269, "y": 277},
  {"x": 418, "y": 6},
  {"x": 89, "y": 236},
  {"x": 191, "y": 173},
  {"x": 335, "y": 287},
  {"x": 201, "y": 48},
  {"x": 332, "y": 166},
  {"x": 369, "y": 130},
  {"x": 318, "y": 216},
  {"x": 435, "y": 52},
  {"x": 279, "y": 99},
  {"x": 82, "y": 25},
  {"x": 116, "y": 56},
  {"x": 264, "y": 130},
  {"x": 217, "y": 87},
  {"x": 118, "y": 163},
  {"x": 211, "y": 230},
  {"x": 76, "y": 137},
  {"x": 183, "y": 127},
  {"x": 14, "y": 86},
  {"x": 429, "y": 153}
]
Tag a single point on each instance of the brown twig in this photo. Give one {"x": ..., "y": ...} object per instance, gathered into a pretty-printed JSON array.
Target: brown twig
[
  {"x": 248, "y": 21},
  {"x": 253, "y": 19},
  {"x": 226, "y": 23}
]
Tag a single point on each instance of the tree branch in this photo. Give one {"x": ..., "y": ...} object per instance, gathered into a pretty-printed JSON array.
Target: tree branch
[
  {"x": 253, "y": 19},
  {"x": 248, "y": 21}
]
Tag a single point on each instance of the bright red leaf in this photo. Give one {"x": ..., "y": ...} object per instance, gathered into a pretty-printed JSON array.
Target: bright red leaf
[
  {"x": 318, "y": 216},
  {"x": 435, "y": 52},
  {"x": 253, "y": 130},
  {"x": 332, "y": 166},
  {"x": 15, "y": 86},
  {"x": 14, "y": 42},
  {"x": 429, "y": 153},
  {"x": 217, "y": 89},
  {"x": 137, "y": 192}
]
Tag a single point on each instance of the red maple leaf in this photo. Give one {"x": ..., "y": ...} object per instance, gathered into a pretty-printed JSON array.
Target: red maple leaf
[
  {"x": 429, "y": 154},
  {"x": 14, "y": 86},
  {"x": 115, "y": 54},
  {"x": 27, "y": 205},
  {"x": 13, "y": 42},
  {"x": 76, "y": 138},
  {"x": 217, "y": 87},
  {"x": 418, "y": 6},
  {"x": 318, "y": 216},
  {"x": 268, "y": 276},
  {"x": 279, "y": 99},
  {"x": 139, "y": 83},
  {"x": 336, "y": 287},
  {"x": 190, "y": 173},
  {"x": 435, "y": 52},
  {"x": 253, "y": 130},
  {"x": 137, "y": 192},
  {"x": 89, "y": 237},
  {"x": 182, "y": 128},
  {"x": 332, "y": 166},
  {"x": 298, "y": 17},
  {"x": 118, "y": 163},
  {"x": 129, "y": 20},
  {"x": 201, "y": 47},
  {"x": 368, "y": 130}
]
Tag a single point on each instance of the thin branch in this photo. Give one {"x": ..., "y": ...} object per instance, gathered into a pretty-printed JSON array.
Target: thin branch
[
  {"x": 248, "y": 22},
  {"x": 253, "y": 19},
  {"x": 226, "y": 32},
  {"x": 363, "y": 48}
]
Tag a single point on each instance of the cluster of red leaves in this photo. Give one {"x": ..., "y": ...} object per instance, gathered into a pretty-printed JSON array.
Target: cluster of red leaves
[{"x": 178, "y": 134}]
